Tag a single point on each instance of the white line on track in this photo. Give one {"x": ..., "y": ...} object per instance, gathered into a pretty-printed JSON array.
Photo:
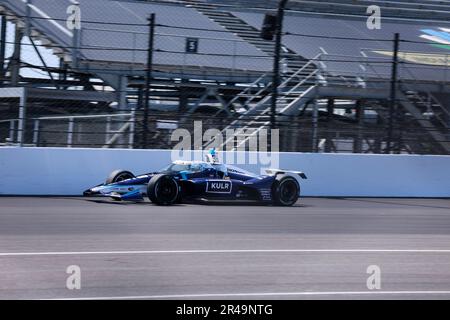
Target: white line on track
[
  {"x": 82, "y": 253},
  {"x": 263, "y": 294}
]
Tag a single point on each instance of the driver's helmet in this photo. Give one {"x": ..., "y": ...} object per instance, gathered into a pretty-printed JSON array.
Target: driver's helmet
[{"x": 212, "y": 156}]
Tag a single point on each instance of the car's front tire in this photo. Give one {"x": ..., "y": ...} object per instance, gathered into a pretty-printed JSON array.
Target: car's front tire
[
  {"x": 285, "y": 190},
  {"x": 119, "y": 175},
  {"x": 163, "y": 190}
]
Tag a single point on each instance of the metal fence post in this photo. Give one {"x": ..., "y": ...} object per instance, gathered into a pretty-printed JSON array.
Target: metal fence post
[
  {"x": 148, "y": 79},
  {"x": 132, "y": 129},
  {"x": 276, "y": 62},
  {"x": 28, "y": 18},
  {"x": 2, "y": 48},
  {"x": 393, "y": 94},
  {"x": 36, "y": 133},
  {"x": 12, "y": 130}
]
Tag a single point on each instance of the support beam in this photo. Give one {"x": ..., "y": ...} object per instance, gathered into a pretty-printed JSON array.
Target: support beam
[
  {"x": 276, "y": 62},
  {"x": 148, "y": 77},
  {"x": 209, "y": 92},
  {"x": 41, "y": 58},
  {"x": 15, "y": 59},
  {"x": 358, "y": 139},
  {"x": 184, "y": 97},
  {"x": 122, "y": 94},
  {"x": 315, "y": 126},
  {"x": 36, "y": 132},
  {"x": 330, "y": 109},
  {"x": 132, "y": 122},
  {"x": 76, "y": 44},
  {"x": 21, "y": 130},
  {"x": 393, "y": 94},
  {"x": 62, "y": 76},
  {"x": 70, "y": 133},
  {"x": 12, "y": 131},
  {"x": 330, "y": 124},
  {"x": 28, "y": 18}
]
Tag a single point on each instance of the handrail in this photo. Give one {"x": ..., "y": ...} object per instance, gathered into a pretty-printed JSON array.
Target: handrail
[
  {"x": 438, "y": 102},
  {"x": 310, "y": 62},
  {"x": 431, "y": 97},
  {"x": 287, "y": 81},
  {"x": 247, "y": 90},
  {"x": 266, "y": 99},
  {"x": 314, "y": 72},
  {"x": 341, "y": 76},
  {"x": 74, "y": 117}
]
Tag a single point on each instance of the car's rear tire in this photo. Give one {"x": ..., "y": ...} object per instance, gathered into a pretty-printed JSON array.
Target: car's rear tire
[
  {"x": 163, "y": 190},
  {"x": 118, "y": 176},
  {"x": 285, "y": 190}
]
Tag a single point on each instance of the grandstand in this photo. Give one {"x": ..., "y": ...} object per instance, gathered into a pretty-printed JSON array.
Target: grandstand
[
  {"x": 334, "y": 94},
  {"x": 403, "y": 9}
]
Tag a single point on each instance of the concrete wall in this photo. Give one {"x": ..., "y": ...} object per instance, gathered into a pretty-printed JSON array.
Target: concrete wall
[{"x": 54, "y": 171}]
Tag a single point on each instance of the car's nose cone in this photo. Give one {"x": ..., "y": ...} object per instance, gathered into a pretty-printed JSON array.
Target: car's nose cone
[{"x": 89, "y": 192}]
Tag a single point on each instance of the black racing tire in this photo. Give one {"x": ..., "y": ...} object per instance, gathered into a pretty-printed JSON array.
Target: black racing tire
[
  {"x": 164, "y": 190},
  {"x": 285, "y": 190},
  {"x": 119, "y": 175}
]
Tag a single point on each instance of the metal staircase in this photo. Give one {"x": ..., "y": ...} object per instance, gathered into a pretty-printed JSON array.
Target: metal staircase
[
  {"x": 293, "y": 91},
  {"x": 430, "y": 108},
  {"x": 303, "y": 82},
  {"x": 429, "y": 113},
  {"x": 298, "y": 77},
  {"x": 437, "y": 10}
]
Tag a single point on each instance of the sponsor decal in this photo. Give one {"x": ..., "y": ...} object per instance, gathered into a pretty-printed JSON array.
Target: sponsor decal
[
  {"x": 266, "y": 194},
  {"x": 438, "y": 37},
  {"x": 218, "y": 186},
  {"x": 431, "y": 59},
  {"x": 234, "y": 171}
]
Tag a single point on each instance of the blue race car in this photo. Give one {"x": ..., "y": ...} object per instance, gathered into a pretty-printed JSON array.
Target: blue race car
[{"x": 202, "y": 180}]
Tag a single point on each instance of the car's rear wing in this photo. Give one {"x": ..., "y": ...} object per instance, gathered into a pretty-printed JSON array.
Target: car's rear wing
[{"x": 274, "y": 172}]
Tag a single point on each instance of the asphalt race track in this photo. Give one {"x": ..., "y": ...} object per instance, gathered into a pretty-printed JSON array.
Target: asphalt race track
[{"x": 319, "y": 249}]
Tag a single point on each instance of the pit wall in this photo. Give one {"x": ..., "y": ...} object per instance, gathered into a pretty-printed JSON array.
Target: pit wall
[{"x": 63, "y": 171}]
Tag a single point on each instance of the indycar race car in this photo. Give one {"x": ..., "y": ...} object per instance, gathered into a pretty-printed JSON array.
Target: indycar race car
[{"x": 202, "y": 180}]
